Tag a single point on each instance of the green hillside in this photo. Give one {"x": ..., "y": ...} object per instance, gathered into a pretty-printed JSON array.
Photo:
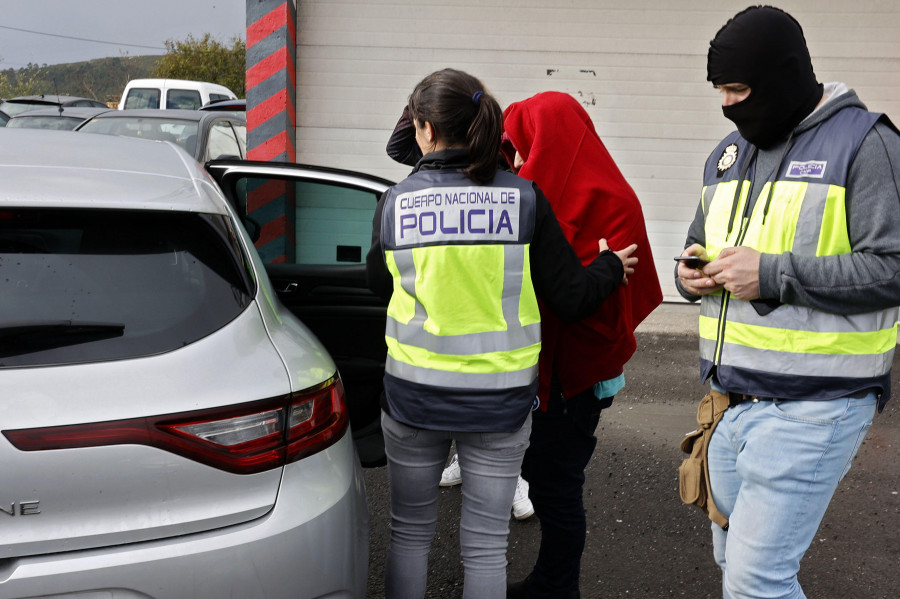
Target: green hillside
[{"x": 102, "y": 78}]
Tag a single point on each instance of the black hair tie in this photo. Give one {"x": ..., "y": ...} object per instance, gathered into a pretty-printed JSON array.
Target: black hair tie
[{"x": 476, "y": 98}]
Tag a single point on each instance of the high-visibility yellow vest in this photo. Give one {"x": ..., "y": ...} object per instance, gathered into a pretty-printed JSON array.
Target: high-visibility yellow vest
[
  {"x": 463, "y": 314},
  {"x": 793, "y": 351}
]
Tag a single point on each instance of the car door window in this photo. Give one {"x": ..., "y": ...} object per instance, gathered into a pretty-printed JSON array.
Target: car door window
[
  {"x": 240, "y": 130},
  {"x": 222, "y": 142},
  {"x": 142, "y": 97},
  {"x": 185, "y": 99},
  {"x": 332, "y": 224}
]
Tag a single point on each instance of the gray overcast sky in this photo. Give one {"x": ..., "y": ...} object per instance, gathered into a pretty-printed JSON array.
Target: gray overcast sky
[{"x": 127, "y": 25}]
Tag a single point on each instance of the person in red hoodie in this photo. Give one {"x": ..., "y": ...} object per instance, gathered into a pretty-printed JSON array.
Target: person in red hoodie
[{"x": 554, "y": 144}]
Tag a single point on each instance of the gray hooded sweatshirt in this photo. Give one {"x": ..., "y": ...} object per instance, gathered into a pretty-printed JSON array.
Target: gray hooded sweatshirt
[{"x": 866, "y": 280}]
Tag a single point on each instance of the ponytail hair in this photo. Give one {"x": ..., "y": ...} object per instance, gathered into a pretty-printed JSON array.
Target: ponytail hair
[{"x": 462, "y": 114}]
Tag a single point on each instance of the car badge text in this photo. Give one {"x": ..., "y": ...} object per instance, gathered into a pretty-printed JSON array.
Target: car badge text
[{"x": 21, "y": 508}]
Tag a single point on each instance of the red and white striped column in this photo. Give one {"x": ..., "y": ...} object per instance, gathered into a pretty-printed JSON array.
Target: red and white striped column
[{"x": 271, "y": 118}]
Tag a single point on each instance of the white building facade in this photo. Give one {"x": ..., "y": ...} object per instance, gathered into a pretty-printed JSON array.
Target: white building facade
[{"x": 638, "y": 67}]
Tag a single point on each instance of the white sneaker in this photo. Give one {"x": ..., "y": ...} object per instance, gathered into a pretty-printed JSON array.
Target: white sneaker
[
  {"x": 452, "y": 475},
  {"x": 521, "y": 507}
]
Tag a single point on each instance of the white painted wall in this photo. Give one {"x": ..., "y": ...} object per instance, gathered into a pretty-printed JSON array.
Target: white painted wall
[{"x": 638, "y": 66}]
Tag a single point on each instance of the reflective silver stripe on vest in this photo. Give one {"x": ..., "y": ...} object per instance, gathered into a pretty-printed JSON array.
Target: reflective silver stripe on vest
[
  {"x": 467, "y": 380},
  {"x": 798, "y": 318},
  {"x": 809, "y": 222},
  {"x": 407, "y": 267},
  {"x": 817, "y": 365},
  {"x": 707, "y": 198},
  {"x": 708, "y": 349},
  {"x": 515, "y": 337}
]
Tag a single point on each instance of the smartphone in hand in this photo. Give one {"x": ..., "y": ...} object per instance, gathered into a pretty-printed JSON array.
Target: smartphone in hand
[{"x": 692, "y": 261}]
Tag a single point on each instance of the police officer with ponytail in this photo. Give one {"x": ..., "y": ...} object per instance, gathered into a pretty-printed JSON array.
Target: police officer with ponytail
[{"x": 463, "y": 251}]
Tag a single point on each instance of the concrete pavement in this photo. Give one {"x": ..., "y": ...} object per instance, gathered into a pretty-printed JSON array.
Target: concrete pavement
[{"x": 643, "y": 542}]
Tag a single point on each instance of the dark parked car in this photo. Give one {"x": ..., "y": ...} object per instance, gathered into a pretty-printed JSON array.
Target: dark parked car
[
  {"x": 226, "y": 106},
  {"x": 60, "y": 118},
  {"x": 14, "y": 106},
  {"x": 204, "y": 135}
]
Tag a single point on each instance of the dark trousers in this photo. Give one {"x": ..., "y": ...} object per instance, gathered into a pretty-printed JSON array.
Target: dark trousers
[{"x": 562, "y": 442}]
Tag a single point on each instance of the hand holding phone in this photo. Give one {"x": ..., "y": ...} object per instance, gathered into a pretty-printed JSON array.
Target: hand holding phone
[{"x": 692, "y": 261}]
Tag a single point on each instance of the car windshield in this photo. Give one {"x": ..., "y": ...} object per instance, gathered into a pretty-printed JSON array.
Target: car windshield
[
  {"x": 181, "y": 132},
  {"x": 61, "y": 123},
  {"x": 89, "y": 285}
]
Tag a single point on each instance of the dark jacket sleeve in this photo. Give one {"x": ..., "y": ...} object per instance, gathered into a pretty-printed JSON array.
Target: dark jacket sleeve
[
  {"x": 378, "y": 278},
  {"x": 696, "y": 234},
  {"x": 570, "y": 290},
  {"x": 402, "y": 145}
]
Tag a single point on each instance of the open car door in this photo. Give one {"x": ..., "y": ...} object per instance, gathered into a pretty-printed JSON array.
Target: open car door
[{"x": 315, "y": 227}]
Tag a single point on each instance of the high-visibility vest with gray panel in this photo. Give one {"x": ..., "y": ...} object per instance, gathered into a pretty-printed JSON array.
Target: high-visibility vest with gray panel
[
  {"x": 792, "y": 351},
  {"x": 463, "y": 314}
]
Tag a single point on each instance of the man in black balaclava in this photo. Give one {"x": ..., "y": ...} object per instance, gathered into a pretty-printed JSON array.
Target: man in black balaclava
[
  {"x": 800, "y": 229},
  {"x": 764, "y": 48}
]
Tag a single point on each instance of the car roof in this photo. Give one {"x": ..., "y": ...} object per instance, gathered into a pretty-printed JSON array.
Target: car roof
[
  {"x": 43, "y": 168},
  {"x": 225, "y": 105},
  {"x": 47, "y": 98},
  {"x": 177, "y": 83},
  {"x": 166, "y": 114},
  {"x": 70, "y": 111}
]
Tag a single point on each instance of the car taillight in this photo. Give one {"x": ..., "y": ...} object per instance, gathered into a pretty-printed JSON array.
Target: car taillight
[{"x": 242, "y": 439}]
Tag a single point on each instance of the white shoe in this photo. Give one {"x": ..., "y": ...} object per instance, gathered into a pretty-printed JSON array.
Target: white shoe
[
  {"x": 521, "y": 507},
  {"x": 452, "y": 475}
]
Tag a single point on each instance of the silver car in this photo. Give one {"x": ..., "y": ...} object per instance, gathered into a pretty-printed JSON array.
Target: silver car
[
  {"x": 169, "y": 428},
  {"x": 204, "y": 135}
]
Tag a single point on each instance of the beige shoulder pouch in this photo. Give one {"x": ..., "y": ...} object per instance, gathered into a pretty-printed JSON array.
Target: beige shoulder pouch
[{"x": 693, "y": 474}]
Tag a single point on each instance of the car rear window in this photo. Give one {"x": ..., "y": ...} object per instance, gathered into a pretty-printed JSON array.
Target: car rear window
[
  {"x": 93, "y": 285},
  {"x": 59, "y": 123},
  {"x": 18, "y": 107}
]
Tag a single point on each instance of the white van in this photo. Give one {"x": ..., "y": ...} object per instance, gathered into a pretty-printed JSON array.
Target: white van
[{"x": 172, "y": 93}]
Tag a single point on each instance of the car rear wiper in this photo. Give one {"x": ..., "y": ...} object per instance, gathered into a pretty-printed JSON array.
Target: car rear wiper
[{"x": 31, "y": 335}]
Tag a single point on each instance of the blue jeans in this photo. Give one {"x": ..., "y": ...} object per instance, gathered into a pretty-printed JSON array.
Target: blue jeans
[
  {"x": 773, "y": 467},
  {"x": 490, "y": 464}
]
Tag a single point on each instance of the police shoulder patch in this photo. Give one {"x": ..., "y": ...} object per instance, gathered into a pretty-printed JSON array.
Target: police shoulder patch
[{"x": 728, "y": 158}]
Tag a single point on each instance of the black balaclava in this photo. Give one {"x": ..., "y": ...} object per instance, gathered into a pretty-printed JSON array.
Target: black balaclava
[{"x": 764, "y": 47}]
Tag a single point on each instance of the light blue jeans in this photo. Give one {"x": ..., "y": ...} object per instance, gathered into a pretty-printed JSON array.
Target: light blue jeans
[
  {"x": 773, "y": 468},
  {"x": 490, "y": 464}
]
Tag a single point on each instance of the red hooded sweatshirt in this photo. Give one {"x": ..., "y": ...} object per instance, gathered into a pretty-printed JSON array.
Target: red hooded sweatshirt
[{"x": 591, "y": 199}]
